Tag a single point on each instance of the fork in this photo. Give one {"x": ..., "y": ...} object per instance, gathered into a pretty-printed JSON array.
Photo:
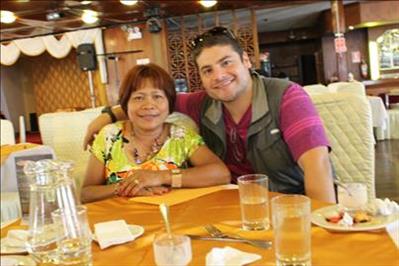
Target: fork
[{"x": 215, "y": 232}]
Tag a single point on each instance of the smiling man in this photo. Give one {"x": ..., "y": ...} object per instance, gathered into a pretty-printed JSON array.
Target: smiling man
[{"x": 255, "y": 124}]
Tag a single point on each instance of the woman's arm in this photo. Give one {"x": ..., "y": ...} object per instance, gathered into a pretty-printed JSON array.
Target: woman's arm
[
  {"x": 94, "y": 187},
  {"x": 207, "y": 170},
  {"x": 99, "y": 122}
]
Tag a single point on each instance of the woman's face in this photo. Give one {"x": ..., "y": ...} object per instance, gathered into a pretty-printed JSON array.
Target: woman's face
[{"x": 148, "y": 107}]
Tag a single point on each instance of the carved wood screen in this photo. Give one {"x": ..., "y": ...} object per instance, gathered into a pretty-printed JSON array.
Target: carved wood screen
[{"x": 182, "y": 31}]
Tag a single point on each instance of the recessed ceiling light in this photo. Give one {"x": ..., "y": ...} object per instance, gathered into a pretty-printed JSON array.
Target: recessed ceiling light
[
  {"x": 7, "y": 16},
  {"x": 128, "y": 2},
  {"x": 89, "y": 16},
  {"x": 86, "y": 2},
  {"x": 351, "y": 27},
  {"x": 208, "y": 3}
]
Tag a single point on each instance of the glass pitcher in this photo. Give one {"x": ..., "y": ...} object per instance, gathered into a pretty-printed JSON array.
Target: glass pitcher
[{"x": 42, "y": 237}]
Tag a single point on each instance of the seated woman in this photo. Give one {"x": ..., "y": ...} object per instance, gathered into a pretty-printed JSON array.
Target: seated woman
[{"x": 145, "y": 155}]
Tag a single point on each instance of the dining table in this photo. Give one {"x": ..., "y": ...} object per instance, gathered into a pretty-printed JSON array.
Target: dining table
[{"x": 222, "y": 209}]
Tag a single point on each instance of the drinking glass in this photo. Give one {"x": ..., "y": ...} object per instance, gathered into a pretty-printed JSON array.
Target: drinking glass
[
  {"x": 172, "y": 250},
  {"x": 254, "y": 201},
  {"x": 292, "y": 223},
  {"x": 352, "y": 196},
  {"x": 74, "y": 243}
]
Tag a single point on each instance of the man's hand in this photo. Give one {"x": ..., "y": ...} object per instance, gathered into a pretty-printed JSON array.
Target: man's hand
[{"x": 94, "y": 127}]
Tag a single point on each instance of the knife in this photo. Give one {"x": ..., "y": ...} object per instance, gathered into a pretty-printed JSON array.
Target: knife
[{"x": 264, "y": 244}]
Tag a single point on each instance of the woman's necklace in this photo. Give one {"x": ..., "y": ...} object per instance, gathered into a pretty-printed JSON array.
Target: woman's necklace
[{"x": 155, "y": 147}]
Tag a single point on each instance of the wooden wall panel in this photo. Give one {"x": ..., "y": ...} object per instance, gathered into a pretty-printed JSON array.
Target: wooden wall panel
[
  {"x": 60, "y": 84},
  {"x": 151, "y": 46}
]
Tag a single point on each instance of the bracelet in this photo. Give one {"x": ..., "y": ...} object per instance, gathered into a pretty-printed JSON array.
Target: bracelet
[
  {"x": 108, "y": 110},
  {"x": 176, "y": 178}
]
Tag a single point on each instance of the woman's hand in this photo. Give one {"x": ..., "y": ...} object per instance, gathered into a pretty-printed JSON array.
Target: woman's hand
[
  {"x": 141, "y": 179},
  {"x": 151, "y": 191}
]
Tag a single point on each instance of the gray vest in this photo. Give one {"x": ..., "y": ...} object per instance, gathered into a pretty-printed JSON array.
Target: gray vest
[{"x": 266, "y": 150}]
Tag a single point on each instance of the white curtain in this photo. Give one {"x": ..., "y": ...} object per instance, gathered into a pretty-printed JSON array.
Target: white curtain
[{"x": 56, "y": 48}]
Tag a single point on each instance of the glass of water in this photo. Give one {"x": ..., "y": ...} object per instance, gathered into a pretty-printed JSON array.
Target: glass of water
[
  {"x": 74, "y": 243},
  {"x": 254, "y": 201},
  {"x": 172, "y": 250},
  {"x": 352, "y": 196},
  {"x": 291, "y": 222}
]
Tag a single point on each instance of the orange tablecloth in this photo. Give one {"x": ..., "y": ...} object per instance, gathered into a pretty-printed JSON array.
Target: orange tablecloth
[
  {"x": 6, "y": 150},
  {"x": 222, "y": 209}
]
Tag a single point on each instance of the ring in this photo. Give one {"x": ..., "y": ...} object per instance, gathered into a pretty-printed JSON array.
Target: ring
[{"x": 136, "y": 181}]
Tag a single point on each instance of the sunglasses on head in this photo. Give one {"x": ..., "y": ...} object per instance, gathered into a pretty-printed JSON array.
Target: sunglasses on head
[{"x": 216, "y": 31}]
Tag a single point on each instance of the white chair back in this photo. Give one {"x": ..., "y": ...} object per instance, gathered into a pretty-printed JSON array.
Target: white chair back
[
  {"x": 348, "y": 124},
  {"x": 7, "y": 132},
  {"x": 355, "y": 87},
  {"x": 315, "y": 88},
  {"x": 22, "y": 130}
]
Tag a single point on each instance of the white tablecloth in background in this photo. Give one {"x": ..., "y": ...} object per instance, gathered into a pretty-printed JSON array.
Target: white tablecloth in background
[{"x": 379, "y": 116}]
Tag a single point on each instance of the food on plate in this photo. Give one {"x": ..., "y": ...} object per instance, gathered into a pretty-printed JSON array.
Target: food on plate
[
  {"x": 347, "y": 218},
  {"x": 333, "y": 216},
  {"x": 361, "y": 217}
]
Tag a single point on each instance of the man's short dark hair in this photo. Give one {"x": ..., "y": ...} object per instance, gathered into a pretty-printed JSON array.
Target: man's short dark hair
[{"x": 213, "y": 37}]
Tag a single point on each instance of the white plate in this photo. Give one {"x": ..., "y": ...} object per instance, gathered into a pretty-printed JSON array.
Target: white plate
[
  {"x": 5, "y": 249},
  {"x": 17, "y": 261},
  {"x": 377, "y": 222},
  {"x": 136, "y": 231}
]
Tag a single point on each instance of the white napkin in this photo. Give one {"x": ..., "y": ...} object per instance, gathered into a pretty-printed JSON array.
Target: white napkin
[
  {"x": 229, "y": 256},
  {"x": 386, "y": 207},
  {"x": 112, "y": 233},
  {"x": 17, "y": 238},
  {"x": 393, "y": 232}
]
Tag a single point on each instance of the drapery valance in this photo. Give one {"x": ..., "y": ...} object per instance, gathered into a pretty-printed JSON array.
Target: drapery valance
[{"x": 56, "y": 48}]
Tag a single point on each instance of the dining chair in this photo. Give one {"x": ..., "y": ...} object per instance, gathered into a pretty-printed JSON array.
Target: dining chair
[
  {"x": 355, "y": 87},
  {"x": 315, "y": 88},
  {"x": 7, "y": 132},
  {"x": 348, "y": 124}
]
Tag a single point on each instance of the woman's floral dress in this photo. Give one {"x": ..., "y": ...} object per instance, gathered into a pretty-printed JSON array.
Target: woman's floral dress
[{"x": 174, "y": 153}]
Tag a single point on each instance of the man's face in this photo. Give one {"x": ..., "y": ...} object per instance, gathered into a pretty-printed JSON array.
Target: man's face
[{"x": 223, "y": 74}]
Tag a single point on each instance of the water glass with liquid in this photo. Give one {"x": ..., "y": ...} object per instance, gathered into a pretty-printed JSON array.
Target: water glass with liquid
[
  {"x": 74, "y": 243},
  {"x": 254, "y": 201},
  {"x": 172, "y": 250},
  {"x": 292, "y": 235}
]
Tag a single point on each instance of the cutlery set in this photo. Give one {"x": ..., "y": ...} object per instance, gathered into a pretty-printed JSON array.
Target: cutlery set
[{"x": 217, "y": 235}]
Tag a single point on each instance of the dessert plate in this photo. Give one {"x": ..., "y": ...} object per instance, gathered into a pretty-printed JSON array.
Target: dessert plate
[
  {"x": 136, "y": 231},
  {"x": 377, "y": 222}
]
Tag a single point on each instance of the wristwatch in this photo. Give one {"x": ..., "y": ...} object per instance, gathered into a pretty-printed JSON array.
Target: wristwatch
[
  {"x": 108, "y": 110},
  {"x": 176, "y": 178}
]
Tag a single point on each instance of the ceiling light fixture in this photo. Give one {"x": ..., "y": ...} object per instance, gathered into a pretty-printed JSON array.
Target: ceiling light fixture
[
  {"x": 89, "y": 16},
  {"x": 208, "y": 3},
  {"x": 128, "y": 2},
  {"x": 7, "y": 16},
  {"x": 86, "y": 2},
  {"x": 351, "y": 27}
]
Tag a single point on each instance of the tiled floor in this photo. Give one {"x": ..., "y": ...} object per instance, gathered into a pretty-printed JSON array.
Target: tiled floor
[{"x": 387, "y": 169}]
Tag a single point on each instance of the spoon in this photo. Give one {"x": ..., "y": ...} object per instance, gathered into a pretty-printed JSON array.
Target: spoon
[{"x": 164, "y": 208}]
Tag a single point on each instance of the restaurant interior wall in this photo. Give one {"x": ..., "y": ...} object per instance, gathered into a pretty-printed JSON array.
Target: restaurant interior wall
[
  {"x": 59, "y": 84},
  {"x": 17, "y": 95},
  {"x": 286, "y": 58},
  {"x": 151, "y": 46},
  {"x": 356, "y": 41}
]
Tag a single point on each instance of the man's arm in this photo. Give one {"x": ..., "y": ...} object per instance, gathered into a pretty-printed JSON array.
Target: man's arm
[
  {"x": 99, "y": 122},
  {"x": 319, "y": 183}
]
